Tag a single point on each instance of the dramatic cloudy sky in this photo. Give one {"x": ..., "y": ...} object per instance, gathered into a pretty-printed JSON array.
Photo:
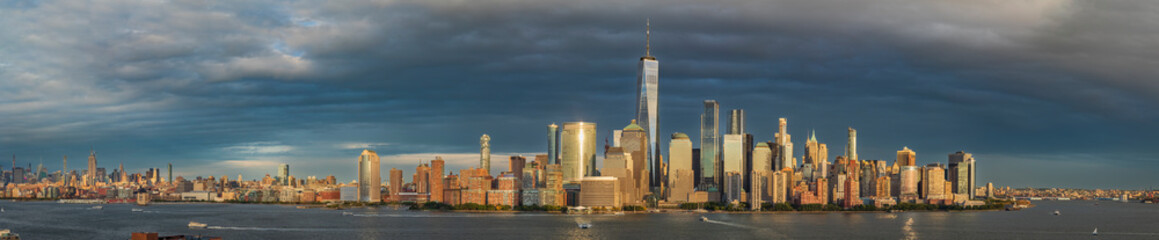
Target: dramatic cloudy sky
[{"x": 1044, "y": 93}]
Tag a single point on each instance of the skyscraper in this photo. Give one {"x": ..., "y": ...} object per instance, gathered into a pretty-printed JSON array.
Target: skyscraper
[
  {"x": 578, "y": 150},
  {"x": 485, "y": 153},
  {"x": 736, "y": 122},
  {"x": 91, "y": 179},
  {"x": 851, "y": 146},
  {"x": 170, "y": 172},
  {"x": 815, "y": 153},
  {"x": 552, "y": 144},
  {"x": 438, "y": 167},
  {"x": 732, "y": 153},
  {"x": 123, "y": 178},
  {"x": 785, "y": 145},
  {"x": 647, "y": 90},
  {"x": 961, "y": 173},
  {"x": 709, "y": 144},
  {"x": 284, "y": 174},
  {"x": 906, "y": 157},
  {"x": 395, "y": 183},
  {"x": 369, "y": 180},
  {"x": 634, "y": 142},
  {"x": 679, "y": 157},
  {"x": 64, "y": 171}
]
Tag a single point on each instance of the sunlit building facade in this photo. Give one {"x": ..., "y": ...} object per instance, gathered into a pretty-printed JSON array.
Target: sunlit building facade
[
  {"x": 578, "y": 150},
  {"x": 369, "y": 180}
]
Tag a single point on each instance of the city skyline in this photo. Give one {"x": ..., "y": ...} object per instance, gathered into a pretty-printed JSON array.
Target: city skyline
[{"x": 313, "y": 103}]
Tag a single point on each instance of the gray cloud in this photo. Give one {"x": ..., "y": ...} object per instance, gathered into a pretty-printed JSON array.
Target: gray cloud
[{"x": 196, "y": 81}]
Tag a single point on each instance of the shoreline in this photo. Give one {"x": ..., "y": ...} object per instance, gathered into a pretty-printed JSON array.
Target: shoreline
[{"x": 400, "y": 206}]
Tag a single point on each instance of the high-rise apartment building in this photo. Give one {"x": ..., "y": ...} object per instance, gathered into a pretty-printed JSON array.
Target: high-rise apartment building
[
  {"x": 485, "y": 153},
  {"x": 851, "y": 145},
  {"x": 785, "y": 145}
]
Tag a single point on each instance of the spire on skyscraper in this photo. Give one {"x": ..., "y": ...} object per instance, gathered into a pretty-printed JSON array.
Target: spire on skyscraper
[{"x": 648, "y": 38}]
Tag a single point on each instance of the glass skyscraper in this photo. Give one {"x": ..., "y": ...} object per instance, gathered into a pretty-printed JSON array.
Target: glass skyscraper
[
  {"x": 552, "y": 144},
  {"x": 369, "y": 180},
  {"x": 647, "y": 84},
  {"x": 578, "y": 150},
  {"x": 710, "y": 170}
]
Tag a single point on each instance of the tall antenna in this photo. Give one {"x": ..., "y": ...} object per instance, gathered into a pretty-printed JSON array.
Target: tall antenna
[{"x": 648, "y": 38}]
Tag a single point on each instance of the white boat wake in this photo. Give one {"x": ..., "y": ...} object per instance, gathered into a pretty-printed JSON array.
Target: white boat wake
[{"x": 765, "y": 232}]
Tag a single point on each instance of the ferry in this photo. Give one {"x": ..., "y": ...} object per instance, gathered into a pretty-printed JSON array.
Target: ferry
[
  {"x": 197, "y": 225},
  {"x": 97, "y": 207},
  {"x": 81, "y": 201},
  {"x": 8, "y": 235},
  {"x": 138, "y": 210}
]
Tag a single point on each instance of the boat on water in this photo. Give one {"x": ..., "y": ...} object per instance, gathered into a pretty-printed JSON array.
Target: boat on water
[
  {"x": 197, "y": 225},
  {"x": 585, "y": 225},
  {"x": 98, "y": 207},
  {"x": 1056, "y": 213},
  {"x": 703, "y": 219},
  {"x": 8, "y": 235},
  {"x": 1096, "y": 232},
  {"x": 347, "y": 214},
  {"x": 138, "y": 210}
]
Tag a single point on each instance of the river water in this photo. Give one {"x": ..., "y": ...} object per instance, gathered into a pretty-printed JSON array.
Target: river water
[{"x": 51, "y": 220}]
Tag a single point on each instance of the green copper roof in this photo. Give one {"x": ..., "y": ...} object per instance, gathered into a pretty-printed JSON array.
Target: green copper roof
[
  {"x": 679, "y": 135},
  {"x": 633, "y": 127},
  {"x": 762, "y": 144}
]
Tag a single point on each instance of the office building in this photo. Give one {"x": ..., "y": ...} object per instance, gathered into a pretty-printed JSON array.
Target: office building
[
  {"x": 961, "y": 174},
  {"x": 633, "y": 140},
  {"x": 710, "y": 169},
  {"x": 906, "y": 157},
  {"x": 736, "y": 122},
  {"x": 647, "y": 105},
  {"x": 91, "y": 177},
  {"x": 369, "y": 179},
  {"x": 553, "y": 144},
  {"x": 933, "y": 182},
  {"x": 284, "y": 174},
  {"x": 578, "y": 150},
  {"x": 599, "y": 192},
  {"x": 437, "y": 185},
  {"x": 910, "y": 175}
]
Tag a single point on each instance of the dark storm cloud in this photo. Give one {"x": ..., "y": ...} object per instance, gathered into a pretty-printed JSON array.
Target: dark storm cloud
[{"x": 248, "y": 85}]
